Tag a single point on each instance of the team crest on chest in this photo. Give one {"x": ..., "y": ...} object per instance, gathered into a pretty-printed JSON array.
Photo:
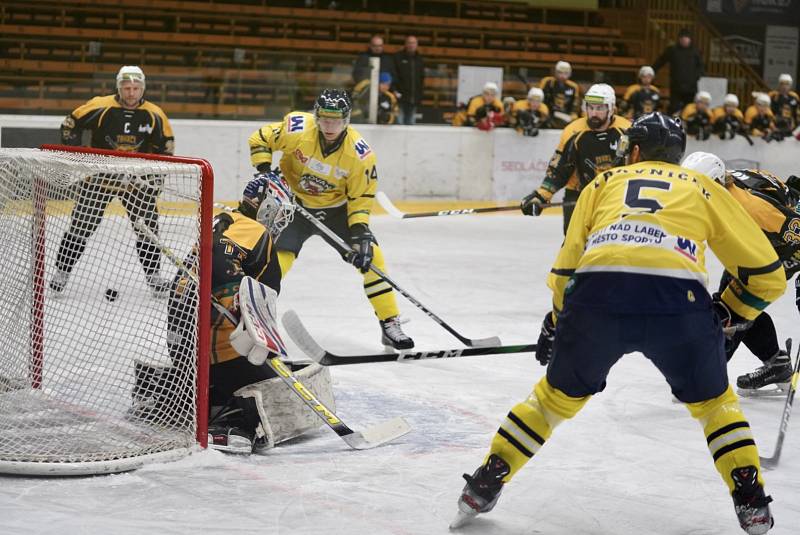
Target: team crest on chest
[{"x": 314, "y": 185}]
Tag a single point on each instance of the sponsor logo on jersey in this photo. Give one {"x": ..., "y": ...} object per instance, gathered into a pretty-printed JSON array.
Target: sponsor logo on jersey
[
  {"x": 300, "y": 156},
  {"x": 338, "y": 172},
  {"x": 362, "y": 149},
  {"x": 314, "y": 185},
  {"x": 148, "y": 128},
  {"x": 687, "y": 248},
  {"x": 319, "y": 167},
  {"x": 296, "y": 123}
]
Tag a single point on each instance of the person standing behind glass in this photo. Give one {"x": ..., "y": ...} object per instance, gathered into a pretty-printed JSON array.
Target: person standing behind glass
[{"x": 410, "y": 81}]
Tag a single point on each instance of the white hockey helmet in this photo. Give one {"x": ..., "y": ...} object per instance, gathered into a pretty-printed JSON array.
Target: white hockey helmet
[
  {"x": 706, "y": 163},
  {"x": 130, "y": 73},
  {"x": 600, "y": 94},
  {"x": 646, "y": 70},
  {"x": 762, "y": 99},
  {"x": 785, "y": 78},
  {"x": 730, "y": 100},
  {"x": 535, "y": 93},
  {"x": 703, "y": 96},
  {"x": 564, "y": 67},
  {"x": 491, "y": 87}
]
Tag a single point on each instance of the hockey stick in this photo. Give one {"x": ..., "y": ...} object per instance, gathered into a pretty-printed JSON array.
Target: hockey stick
[
  {"x": 348, "y": 253},
  {"x": 395, "y": 212},
  {"x": 772, "y": 462},
  {"x": 369, "y": 438},
  {"x": 300, "y": 336}
]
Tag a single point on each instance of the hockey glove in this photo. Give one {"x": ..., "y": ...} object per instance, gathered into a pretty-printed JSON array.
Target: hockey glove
[
  {"x": 361, "y": 240},
  {"x": 797, "y": 293},
  {"x": 533, "y": 204},
  {"x": 544, "y": 347},
  {"x": 730, "y": 320}
]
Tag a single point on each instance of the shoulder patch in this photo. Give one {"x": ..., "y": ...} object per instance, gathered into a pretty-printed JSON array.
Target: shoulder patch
[
  {"x": 295, "y": 123},
  {"x": 362, "y": 149}
]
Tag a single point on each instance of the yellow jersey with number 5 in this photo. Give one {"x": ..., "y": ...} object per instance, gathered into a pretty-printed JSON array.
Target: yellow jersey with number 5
[
  {"x": 655, "y": 218},
  {"x": 344, "y": 173}
]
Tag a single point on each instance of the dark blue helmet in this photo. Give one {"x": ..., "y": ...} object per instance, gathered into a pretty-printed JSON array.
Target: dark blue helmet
[
  {"x": 333, "y": 103},
  {"x": 659, "y": 137}
]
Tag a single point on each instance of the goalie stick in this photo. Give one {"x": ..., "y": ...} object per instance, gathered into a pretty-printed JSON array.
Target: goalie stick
[
  {"x": 345, "y": 250},
  {"x": 772, "y": 461},
  {"x": 270, "y": 340},
  {"x": 300, "y": 336},
  {"x": 393, "y": 211}
]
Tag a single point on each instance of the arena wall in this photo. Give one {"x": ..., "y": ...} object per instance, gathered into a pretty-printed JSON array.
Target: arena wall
[{"x": 415, "y": 162}]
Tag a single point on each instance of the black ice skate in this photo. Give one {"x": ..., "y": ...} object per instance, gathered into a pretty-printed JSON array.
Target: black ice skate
[
  {"x": 230, "y": 440},
  {"x": 58, "y": 281},
  {"x": 482, "y": 490},
  {"x": 393, "y": 335},
  {"x": 752, "y": 507},
  {"x": 771, "y": 379}
]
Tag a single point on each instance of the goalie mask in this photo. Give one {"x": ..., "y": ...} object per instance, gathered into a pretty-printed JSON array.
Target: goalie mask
[{"x": 268, "y": 199}]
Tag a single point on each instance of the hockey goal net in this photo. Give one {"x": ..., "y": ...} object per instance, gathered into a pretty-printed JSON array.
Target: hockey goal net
[{"x": 90, "y": 381}]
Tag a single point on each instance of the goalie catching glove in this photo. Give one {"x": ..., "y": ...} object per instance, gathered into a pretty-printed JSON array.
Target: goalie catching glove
[{"x": 361, "y": 240}]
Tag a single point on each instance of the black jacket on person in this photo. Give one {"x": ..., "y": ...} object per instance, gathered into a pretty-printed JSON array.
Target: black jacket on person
[
  {"x": 410, "y": 78},
  {"x": 686, "y": 67},
  {"x": 361, "y": 67}
]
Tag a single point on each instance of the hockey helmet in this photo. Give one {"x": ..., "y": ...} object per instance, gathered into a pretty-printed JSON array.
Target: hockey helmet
[
  {"x": 563, "y": 67},
  {"x": 730, "y": 100},
  {"x": 535, "y": 93},
  {"x": 600, "y": 94},
  {"x": 658, "y": 136},
  {"x": 703, "y": 96},
  {"x": 785, "y": 78},
  {"x": 130, "y": 73},
  {"x": 268, "y": 199},
  {"x": 333, "y": 104},
  {"x": 765, "y": 183},
  {"x": 646, "y": 70},
  {"x": 706, "y": 163},
  {"x": 491, "y": 87},
  {"x": 762, "y": 99}
]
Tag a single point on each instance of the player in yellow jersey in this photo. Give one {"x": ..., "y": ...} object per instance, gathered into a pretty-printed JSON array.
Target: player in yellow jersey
[
  {"x": 124, "y": 122},
  {"x": 631, "y": 276},
  {"x": 588, "y": 145},
  {"x": 333, "y": 173}
]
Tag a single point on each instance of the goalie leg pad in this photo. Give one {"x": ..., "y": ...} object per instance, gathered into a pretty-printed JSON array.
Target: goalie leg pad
[{"x": 281, "y": 413}]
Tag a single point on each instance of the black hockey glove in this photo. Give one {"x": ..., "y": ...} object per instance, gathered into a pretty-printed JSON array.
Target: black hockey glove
[
  {"x": 730, "y": 320},
  {"x": 544, "y": 347},
  {"x": 533, "y": 204},
  {"x": 797, "y": 293},
  {"x": 361, "y": 240}
]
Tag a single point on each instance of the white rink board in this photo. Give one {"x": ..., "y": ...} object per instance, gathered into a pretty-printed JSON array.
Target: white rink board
[{"x": 430, "y": 161}]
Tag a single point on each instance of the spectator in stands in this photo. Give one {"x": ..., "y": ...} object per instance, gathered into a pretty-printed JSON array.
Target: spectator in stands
[
  {"x": 387, "y": 102},
  {"x": 528, "y": 115},
  {"x": 697, "y": 116},
  {"x": 759, "y": 119},
  {"x": 410, "y": 81},
  {"x": 561, "y": 95},
  {"x": 727, "y": 120},
  {"x": 643, "y": 97},
  {"x": 361, "y": 69},
  {"x": 485, "y": 110},
  {"x": 685, "y": 69},
  {"x": 785, "y": 106},
  {"x": 129, "y": 123}
]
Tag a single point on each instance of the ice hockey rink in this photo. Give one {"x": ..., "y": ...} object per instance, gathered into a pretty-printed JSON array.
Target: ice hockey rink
[{"x": 631, "y": 463}]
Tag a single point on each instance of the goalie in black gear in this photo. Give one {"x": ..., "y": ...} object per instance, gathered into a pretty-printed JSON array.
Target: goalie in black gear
[
  {"x": 772, "y": 205},
  {"x": 124, "y": 122}
]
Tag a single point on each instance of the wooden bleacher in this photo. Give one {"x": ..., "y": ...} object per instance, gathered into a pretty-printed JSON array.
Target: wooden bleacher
[{"x": 189, "y": 50}]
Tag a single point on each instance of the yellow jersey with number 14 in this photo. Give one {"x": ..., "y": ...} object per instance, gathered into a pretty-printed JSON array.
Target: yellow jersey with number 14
[
  {"x": 347, "y": 174},
  {"x": 655, "y": 218}
]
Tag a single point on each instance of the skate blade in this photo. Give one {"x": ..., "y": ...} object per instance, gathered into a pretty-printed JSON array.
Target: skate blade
[
  {"x": 779, "y": 391},
  {"x": 462, "y": 518}
]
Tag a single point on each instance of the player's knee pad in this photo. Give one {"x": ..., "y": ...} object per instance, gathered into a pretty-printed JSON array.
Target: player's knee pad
[
  {"x": 555, "y": 404},
  {"x": 281, "y": 414},
  {"x": 285, "y": 260}
]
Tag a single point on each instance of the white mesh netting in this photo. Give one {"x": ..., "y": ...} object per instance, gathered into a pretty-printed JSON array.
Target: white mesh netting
[{"x": 88, "y": 382}]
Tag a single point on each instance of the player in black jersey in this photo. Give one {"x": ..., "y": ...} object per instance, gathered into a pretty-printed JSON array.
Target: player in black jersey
[
  {"x": 773, "y": 206},
  {"x": 641, "y": 98},
  {"x": 587, "y": 147},
  {"x": 124, "y": 122}
]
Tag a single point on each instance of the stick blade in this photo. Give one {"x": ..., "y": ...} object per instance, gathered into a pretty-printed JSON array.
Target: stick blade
[
  {"x": 768, "y": 463},
  {"x": 301, "y": 337},
  {"x": 486, "y": 342},
  {"x": 387, "y": 205},
  {"x": 378, "y": 434}
]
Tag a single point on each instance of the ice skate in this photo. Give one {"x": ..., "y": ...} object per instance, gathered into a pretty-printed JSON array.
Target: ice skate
[
  {"x": 393, "y": 335},
  {"x": 158, "y": 287},
  {"x": 750, "y": 503},
  {"x": 230, "y": 440},
  {"x": 482, "y": 490},
  {"x": 59, "y": 281},
  {"x": 771, "y": 379}
]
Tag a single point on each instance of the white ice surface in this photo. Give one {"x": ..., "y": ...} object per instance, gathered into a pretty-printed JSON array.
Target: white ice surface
[{"x": 630, "y": 463}]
